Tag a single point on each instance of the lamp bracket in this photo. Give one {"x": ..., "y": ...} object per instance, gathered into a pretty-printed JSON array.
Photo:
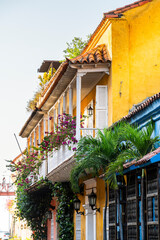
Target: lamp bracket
[
  {"x": 94, "y": 208},
  {"x": 52, "y": 207},
  {"x": 81, "y": 213}
]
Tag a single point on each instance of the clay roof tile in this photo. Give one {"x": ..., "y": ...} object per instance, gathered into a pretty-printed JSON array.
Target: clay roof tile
[
  {"x": 113, "y": 14},
  {"x": 98, "y": 54}
]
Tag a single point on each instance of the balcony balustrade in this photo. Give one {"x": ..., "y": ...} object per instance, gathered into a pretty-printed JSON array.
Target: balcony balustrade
[{"x": 57, "y": 157}]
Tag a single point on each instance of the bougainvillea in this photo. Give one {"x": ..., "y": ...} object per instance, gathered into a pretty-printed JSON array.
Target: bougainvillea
[
  {"x": 26, "y": 168},
  {"x": 64, "y": 134}
]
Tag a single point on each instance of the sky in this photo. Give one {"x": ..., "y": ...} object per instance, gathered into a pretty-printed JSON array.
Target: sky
[{"x": 32, "y": 31}]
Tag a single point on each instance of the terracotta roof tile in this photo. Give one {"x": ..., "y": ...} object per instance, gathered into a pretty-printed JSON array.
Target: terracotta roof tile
[
  {"x": 142, "y": 106},
  {"x": 98, "y": 54},
  {"x": 143, "y": 160},
  {"x": 113, "y": 14}
]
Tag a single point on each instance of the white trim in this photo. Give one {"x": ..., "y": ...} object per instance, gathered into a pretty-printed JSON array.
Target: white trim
[
  {"x": 89, "y": 211},
  {"x": 34, "y": 137},
  {"x": 55, "y": 118},
  {"x": 44, "y": 125},
  {"x": 107, "y": 221},
  {"x": 87, "y": 70},
  {"x": 59, "y": 110},
  {"x": 64, "y": 102},
  {"x": 48, "y": 123},
  {"x": 70, "y": 100},
  {"x": 78, "y": 108}
]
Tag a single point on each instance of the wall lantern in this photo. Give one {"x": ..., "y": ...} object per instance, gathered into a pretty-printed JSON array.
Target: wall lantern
[
  {"x": 77, "y": 204},
  {"x": 90, "y": 111},
  {"x": 92, "y": 201},
  {"x": 49, "y": 215}
]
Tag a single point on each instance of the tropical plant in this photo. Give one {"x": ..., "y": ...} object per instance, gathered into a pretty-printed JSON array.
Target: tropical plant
[
  {"x": 109, "y": 151},
  {"x": 138, "y": 143},
  {"x": 94, "y": 154}
]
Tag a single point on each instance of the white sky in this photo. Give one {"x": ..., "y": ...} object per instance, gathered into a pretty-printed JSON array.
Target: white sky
[{"x": 32, "y": 31}]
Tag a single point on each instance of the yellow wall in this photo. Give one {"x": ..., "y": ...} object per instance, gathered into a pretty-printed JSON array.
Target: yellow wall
[
  {"x": 100, "y": 204},
  {"x": 145, "y": 53},
  {"x": 135, "y": 57}
]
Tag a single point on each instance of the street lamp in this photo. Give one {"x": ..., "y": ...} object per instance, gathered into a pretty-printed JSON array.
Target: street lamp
[
  {"x": 92, "y": 201},
  {"x": 77, "y": 204}
]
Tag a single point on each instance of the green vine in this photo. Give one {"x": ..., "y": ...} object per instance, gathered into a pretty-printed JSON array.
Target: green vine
[
  {"x": 65, "y": 208},
  {"x": 33, "y": 206}
]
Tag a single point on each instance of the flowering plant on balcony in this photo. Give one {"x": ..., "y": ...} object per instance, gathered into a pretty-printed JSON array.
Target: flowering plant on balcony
[
  {"x": 28, "y": 166},
  {"x": 65, "y": 134}
]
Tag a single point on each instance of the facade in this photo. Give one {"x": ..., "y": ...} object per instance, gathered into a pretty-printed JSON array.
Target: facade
[
  {"x": 119, "y": 68},
  {"x": 133, "y": 190}
]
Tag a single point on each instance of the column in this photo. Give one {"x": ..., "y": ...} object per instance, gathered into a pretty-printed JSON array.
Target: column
[
  {"x": 64, "y": 103},
  {"x": 39, "y": 133},
  {"x": 55, "y": 118},
  {"x": 30, "y": 142},
  {"x": 78, "y": 110},
  {"x": 49, "y": 125},
  {"x": 59, "y": 109},
  {"x": 34, "y": 138},
  {"x": 44, "y": 126},
  {"x": 70, "y": 101}
]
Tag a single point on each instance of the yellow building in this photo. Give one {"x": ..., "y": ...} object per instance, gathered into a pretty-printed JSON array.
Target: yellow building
[
  {"x": 119, "y": 67},
  {"x": 131, "y": 35}
]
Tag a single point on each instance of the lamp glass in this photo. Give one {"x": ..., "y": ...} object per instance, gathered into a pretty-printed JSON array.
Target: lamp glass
[
  {"x": 90, "y": 111},
  {"x": 49, "y": 215},
  {"x": 77, "y": 203},
  {"x": 92, "y": 199}
]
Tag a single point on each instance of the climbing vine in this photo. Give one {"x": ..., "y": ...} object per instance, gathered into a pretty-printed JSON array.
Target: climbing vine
[
  {"x": 33, "y": 206},
  {"x": 65, "y": 208}
]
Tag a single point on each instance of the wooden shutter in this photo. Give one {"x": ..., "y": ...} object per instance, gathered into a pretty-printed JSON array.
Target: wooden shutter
[
  {"x": 101, "y": 106},
  {"x": 78, "y": 227}
]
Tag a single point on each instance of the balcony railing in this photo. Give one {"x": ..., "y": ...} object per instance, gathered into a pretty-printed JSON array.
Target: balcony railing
[
  {"x": 89, "y": 132},
  {"x": 57, "y": 157}
]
